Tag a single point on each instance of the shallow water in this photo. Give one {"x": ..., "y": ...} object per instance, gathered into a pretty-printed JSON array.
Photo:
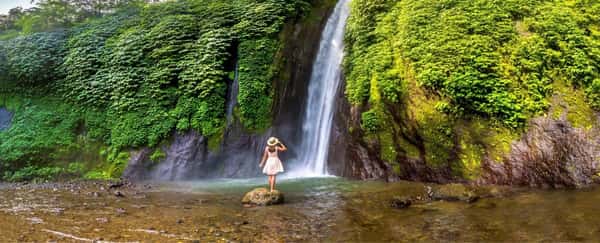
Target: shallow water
[{"x": 317, "y": 209}]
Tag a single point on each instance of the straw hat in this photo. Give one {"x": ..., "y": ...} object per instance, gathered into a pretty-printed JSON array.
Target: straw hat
[{"x": 272, "y": 141}]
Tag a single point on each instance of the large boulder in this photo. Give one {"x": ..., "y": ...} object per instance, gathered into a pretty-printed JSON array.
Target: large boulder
[
  {"x": 262, "y": 197},
  {"x": 552, "y": 154}
]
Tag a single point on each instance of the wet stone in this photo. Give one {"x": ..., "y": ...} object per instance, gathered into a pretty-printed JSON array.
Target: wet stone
[
  {"x": 401, "y": 202},
  {"x": 262, "y": 197},
  {"x": 119, "y": 194},
  {"x": 121, "y": 211},
  {"x": 102, "y": 220},
  {"x": 454, "y": 192},
  {"x": 35, "y": 220}
]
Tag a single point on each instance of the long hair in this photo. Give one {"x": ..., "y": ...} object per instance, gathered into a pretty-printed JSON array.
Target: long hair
[{"x": 271, "y": 148}]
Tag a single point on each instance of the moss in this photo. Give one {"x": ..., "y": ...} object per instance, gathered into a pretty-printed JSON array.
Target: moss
[
  {"x": 434, "y": 126},
  {"x": 113, "y": 167},
  {"x": 470, "y": 156},
  {"x": 214, "y": 141},
  {"x": 411, "y": 150},
  {"x": 438, "y": 143},
  {"x": 397, "y": 168},
  {"x": 499, "y": 141},
  {"x": 566, "y": 98},
  {"x": 388, "y": 149},
  {"x": 315, "y": 16},
  {"x": 157, "y": 155}
]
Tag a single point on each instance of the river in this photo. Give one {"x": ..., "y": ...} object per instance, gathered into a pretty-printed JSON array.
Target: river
[{"x": 316, "y": 209}]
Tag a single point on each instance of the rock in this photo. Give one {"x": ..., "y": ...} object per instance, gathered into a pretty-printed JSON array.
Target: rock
[
  {"x": 102, "y": 220},
  {"x": 119, "y": 194},
  {"x": 121, "y": 211},
  {"x": 35, "y": 220},
  {"x": 180, "y": 221},
  {"x": 262, "y": 197},
  {"x": 57, "y": 211},
  {"x": 401, "y": 202},
  {"x": 552, "y": 153},
  {"x": 453, "y": 192},
  {"x": 118, "y": 184}
]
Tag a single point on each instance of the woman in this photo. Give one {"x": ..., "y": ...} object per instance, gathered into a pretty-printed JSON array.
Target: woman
[{"x": 270, "y": 160}]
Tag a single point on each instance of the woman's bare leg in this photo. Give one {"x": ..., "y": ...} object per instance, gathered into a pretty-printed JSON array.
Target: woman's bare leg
[
  {"x": 271, "y": 182},
  {"x": 273, "y": 185}
]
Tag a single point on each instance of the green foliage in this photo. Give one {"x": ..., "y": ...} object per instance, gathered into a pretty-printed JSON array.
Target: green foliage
[
  {"x": 157, "y": 155},
  {"x": 370, "y": 121},
  {"x": 133, "y": 77},
  {"x": 86, "y": 50},
  {"x": 255, "y": 73},
  {"x": 112, "y": 167},
  {"x": 34, "y": 59},
  {"x": 33, "y": 172},
  {"x": 369, "y": 53},
  {"x": 50, "y": 15},
  {"x": 477, "y": 70},
  {"x": 39, "y": 126},
  {"x": 486, "y": 58}
]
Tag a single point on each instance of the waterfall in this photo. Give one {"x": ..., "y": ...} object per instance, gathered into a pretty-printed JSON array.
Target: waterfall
[
  {"x": 5, "y": 119},
  {"x": 232, "y": 98},
  {"x": 323, "y": 88}
]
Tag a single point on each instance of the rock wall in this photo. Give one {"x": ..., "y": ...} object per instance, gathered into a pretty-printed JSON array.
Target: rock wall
[
  {"x": 349, "y": 155},
  {"x": 551, "y": 154}
]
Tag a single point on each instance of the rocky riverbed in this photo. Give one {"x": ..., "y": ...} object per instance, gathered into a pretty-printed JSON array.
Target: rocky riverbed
[{"x": 326, "y": 209}]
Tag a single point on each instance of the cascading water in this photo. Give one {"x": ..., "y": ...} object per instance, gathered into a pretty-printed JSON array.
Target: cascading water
[
  {"x": 322, "y": 91},
  {"x": 5, "y": 118},
  {"x": 232, "y": 98},
  {"x": 188, "y": 156}
]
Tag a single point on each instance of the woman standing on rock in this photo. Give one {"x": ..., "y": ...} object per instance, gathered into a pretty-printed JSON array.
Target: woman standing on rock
[{"x": 271, "y": 162}]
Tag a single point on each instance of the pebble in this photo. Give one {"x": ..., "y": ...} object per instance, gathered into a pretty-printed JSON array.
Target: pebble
[
  {"x": 121, "y": 211},
  {"x": 102, "y": 220},
  {"x": 35, "y": 220}
]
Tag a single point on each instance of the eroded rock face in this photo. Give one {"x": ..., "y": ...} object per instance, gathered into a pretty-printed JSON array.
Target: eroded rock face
[
  {"x": 5, "y": 119},
  {"x": 551, "y": 154},
  {"x": 262, "y": 197},
  {"x": 187, "y": 156},
  {"x": 349, "y": 156}
]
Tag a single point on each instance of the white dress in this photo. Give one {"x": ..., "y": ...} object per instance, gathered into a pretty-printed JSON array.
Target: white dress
[{"x": 273, "y": 164}]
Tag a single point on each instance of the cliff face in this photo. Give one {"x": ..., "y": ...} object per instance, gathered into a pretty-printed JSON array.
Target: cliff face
[
  {"x": 557, "y": 150},
  {"x": 237, "y": 154},
  {"x": 551, "y": 154},
  {"x": 434, "y": 99}
]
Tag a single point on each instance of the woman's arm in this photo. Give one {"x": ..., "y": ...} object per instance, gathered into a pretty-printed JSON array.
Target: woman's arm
[
  {"x": 264, "y": 158},
  {"x": 282, "y": 147}
]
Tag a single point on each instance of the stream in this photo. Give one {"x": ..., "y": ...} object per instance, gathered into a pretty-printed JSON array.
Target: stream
[{"x": 316, "y": 209}]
